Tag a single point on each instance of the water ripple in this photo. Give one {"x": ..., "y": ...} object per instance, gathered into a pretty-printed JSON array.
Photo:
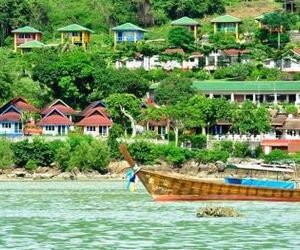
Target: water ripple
[{"x": 102, "y": 215}]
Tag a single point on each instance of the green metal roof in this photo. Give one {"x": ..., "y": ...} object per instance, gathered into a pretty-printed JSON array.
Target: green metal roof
[
  {"x": 247, "y": 86},
  {"x": 128, "y": 27},
  {"x": 26, "y": 29},
  {"x": 185, "y": 21},
  {"x": 75, "y": 28},
  {"x": 226, "y": 19},
  {"x": 31, "y": 45}
]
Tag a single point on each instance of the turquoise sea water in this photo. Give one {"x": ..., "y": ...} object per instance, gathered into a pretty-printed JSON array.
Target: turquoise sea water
[{"x": 102, "y": 215}]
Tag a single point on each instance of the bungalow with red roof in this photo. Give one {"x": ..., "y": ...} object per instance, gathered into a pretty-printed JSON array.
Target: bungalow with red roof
[
  {"x": 11, "y": 122},
  {"x": 95, "y": 122},
  {"x": 60, "y": 106},
  {"x": 290, "y": 62},
  {"x": 55, "y": 123},
  {"x": 13, "y": 115}
]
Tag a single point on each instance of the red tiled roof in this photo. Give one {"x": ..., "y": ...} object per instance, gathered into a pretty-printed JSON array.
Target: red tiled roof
[
  {"x": 55, "y": 118},
  {"x": 95, "y": 118},
  {"x": 22, "y": 104},
  {"x": 296, "y": 51},
  {"x": 63, "y": 109},
  {"x": 173, "y": 51},
  {"x": 93, "y": 105},
  {"x": 10, "y": 116},
  {"x": 235, "y": 52}
]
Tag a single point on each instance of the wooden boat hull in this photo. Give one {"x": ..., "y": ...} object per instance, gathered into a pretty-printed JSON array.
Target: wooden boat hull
[{"x": 168, "y": 187}]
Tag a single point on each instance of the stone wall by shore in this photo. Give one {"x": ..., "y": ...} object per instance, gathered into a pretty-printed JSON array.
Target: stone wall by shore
[{"x": 117, "y": 171}]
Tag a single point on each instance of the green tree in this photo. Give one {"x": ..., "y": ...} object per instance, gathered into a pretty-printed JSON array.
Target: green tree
[
  {"x": 169, "y": 88},
  {"x": 181, "y": 37},
  {"x": 124, "y": 107},
  {"x": 205, "y": 112},
  {"x": 255, "y": 122}
]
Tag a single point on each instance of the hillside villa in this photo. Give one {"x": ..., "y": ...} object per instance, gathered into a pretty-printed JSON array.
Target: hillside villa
[
  {"x": 76, "y": 34},
  {"x": 128, "y": 32},
  {"x": 187, "y": 22},
  {"x": 227, "y": 24},
  {"x": 26, "y": 38}
]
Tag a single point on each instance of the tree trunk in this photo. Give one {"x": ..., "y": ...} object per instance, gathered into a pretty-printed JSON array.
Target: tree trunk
[
  {"x": 176, "y": 132},
  {"x": 132, "y": 121}
]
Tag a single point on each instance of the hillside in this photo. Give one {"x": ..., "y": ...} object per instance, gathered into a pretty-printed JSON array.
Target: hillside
[{"x": 246, "y": 9}]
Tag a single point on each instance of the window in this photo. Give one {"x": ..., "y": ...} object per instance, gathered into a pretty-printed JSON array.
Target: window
[
  {"x": 103, "y": 130},
  {"x": 24, "y": 36},
  {"x": 161, "y": 130},
  {"x": 287, "y": 63},
  {"x": 6, "y": 125},
  {"x": 91, "y": 128},
  {"x": 151, "y": 128},
  {"x": 50, "y": 128}
]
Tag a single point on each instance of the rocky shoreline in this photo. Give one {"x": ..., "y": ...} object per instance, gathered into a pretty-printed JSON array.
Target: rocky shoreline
[{"x": 216, "y": 171}]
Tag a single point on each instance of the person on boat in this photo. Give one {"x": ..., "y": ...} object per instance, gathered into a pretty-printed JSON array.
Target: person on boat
[{"x": 131, "y": 183}]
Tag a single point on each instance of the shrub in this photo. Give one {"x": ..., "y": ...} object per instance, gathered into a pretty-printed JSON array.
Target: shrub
[
  {"x": 115, "y": 132},
  {"x": 226, "y": 146},
  {"x": 6, "y": 154},
  {"x": 31, "y": 165},
  {"x": 173, "y": 155},
  {"x": 87, "y": 155},
  {"x": 63, "y": 156},
  {"x": 37, "y": 150},
  {"x": 98, "y": 157},
  {"x": 211, "y": 156},
  {"x": 276, "y": 155},
  {"x": 198, "y": 141},
  {"x": 144, "y": 152},
  {"x": 241, "y": 149}
]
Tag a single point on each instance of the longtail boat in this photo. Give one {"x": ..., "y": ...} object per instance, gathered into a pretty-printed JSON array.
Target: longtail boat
[{"x": 176, "y": 187}]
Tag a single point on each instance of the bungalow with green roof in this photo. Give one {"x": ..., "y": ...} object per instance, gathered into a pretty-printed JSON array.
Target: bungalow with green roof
[
  {"x": 24, "y": 35},
  {"x": 256, "y": 91},
  {"x": 227, "y": 24},
  {"x": 187, "y": 22},
  {"x": 239, "y": 91},
  {"x": 28, "y": 46},
  {"x": 77, "y": 34},
  {"x": 128, "y": 32}
]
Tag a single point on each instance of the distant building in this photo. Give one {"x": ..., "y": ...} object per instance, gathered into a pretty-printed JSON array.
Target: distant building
[
  {"x": 60, "y": 106},
  {"x": 95, "y": 121},
  {"x": 227, "y": 24},
  {"x": 290, "y": 62},
  {"x": 14, "y": 115},
  {"x": 128, "y": 32},
  {"x": 27, "y": 38},
  {"x": 290, "y": 5},
  {"x": 55, "y": 123},
  {"x": 188, "y": 22},
  {"x": 257, "y": 91},
  {"x": 76, "y": 34}
]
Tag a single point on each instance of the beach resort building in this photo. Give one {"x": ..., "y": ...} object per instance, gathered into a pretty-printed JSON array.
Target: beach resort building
[
  {"x": 76, "y": 34},
  {"x": 258, "y": 92},
  {"x": 26, "y": 38},
  {"x": 290, "y": 62},
  {"x": 128, "y": 32},
  {"x": 60, "y": 106},
  {"x": 227, "y": 24},
  {"x": 14, "y": 116},
  {"x": 95, "y": 123},
  {"x": 55, "y": 123},
  {"x": 96, "y": 120},
  {"x": 189, "y": 23}
]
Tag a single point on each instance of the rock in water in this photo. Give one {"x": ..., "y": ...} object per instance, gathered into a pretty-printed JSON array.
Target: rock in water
[{"x": 212, "y": 211}]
